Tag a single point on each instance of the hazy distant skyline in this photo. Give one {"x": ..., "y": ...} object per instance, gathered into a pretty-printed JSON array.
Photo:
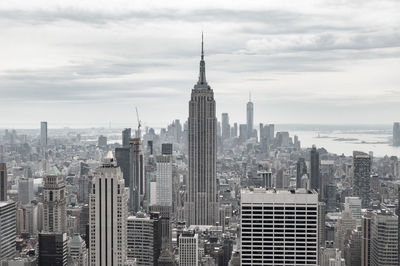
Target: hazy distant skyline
[{"x": 83, "y": 64}]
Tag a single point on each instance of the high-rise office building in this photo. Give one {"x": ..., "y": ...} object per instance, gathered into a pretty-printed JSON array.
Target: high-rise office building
[
  {"x": 7, "y": 229},
  {"x": 201, "y": 206},
  {"x": 243, "y": 132},
  {"x": 396, "y": 134},
  {"x": 3, "y": 182},
  {"x": 226, "y": 128},
  {"x": 78, "y": 251},
  {"x": 102, "y": 142},
  {"x": 122, "y": 156},
  {"x": 384, "y": 238},
  {"x": 54, "y": 203},
  {"x": 301, "y": 168},
  {"x": 362, "y": 176},
  {"x": 250, "y": 118},
  {"x": 43, "y": 134},
  {"x": 108, "y": 212},
  {"x": 352, "y": 250},
  {"x": 279, "y": 227},
  {"x": 366, "y": 239},
  {"x": 53, "y": 249},
  {"x": 188, "y": 249},
  {"x": 314, "y": 169},
  {"x": 164, "y": 180},
  {"x": 345, "y": 224},
  {"x": 166, "y": 149},
  {"x": 234, "y": 130},
  {"x": 136, "y": 184},
  {"x": 126, "y": 136},
  {"x": 353, "y": 205},
  {"x": 25, "y": 190},
  {"x": 143, "y": 238}
]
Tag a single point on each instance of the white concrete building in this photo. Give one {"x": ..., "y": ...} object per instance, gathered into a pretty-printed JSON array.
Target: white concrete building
[
  {"x": 353, "y": 205},
  {"x": 279, "y": 227},
  {"x": 78, "y": 251},
  {"x": 189, "y": 249},
  {"x": 164, "y": 180},
  {"x": 108, "y": 211}
]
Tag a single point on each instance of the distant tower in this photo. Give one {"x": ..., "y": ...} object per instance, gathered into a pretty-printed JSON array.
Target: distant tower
[
  {"x": 136, "y": 184},
  {"x": 250, "y": 117},
  {"x": 126, "y": 136},
  {"x": 314, "y": 171},
  {"x": 301, "y": 168},
  {"x": 25, "y": 190},
  {"x": 226, "y": 128},
  {"x": 3, "y": 182},
  {"x": 201, "y": 207},
  {"x": 108, "y": 212},
  {"x": 43, "y": 134},
  {"x": 7, "y": 229},
  {"x": 54, "y": 203},
  {"x": 362, "y": 177},
  {"x": 396, "y": 134}
]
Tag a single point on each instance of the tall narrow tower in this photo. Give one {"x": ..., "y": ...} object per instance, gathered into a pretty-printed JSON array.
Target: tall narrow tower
[
  {"x": 108, "y": 202},
  {"x": 250, "y": 118},
  {"x": 201, "y": 207},
  {"x": 54, "y": 203}
]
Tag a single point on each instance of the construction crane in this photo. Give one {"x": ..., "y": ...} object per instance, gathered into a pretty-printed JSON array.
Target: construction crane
[{"x": 139, "y": 123}]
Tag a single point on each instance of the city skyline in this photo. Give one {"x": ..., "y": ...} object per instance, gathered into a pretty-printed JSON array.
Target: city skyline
[{"x": 304, "y": 63}]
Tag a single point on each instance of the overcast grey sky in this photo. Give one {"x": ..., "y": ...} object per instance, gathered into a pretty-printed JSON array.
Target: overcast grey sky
[{"x": 85, "y": 63}]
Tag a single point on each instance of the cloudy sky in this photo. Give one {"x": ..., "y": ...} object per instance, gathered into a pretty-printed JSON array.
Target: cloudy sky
[{"x": 86, "y": 63}]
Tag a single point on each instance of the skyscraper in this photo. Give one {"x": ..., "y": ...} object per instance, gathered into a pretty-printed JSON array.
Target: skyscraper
[
  {"x": 25, "y": 190},
  {"x": 136, "y": 184},
  {"x": 54, "y": 203},
  {"x": 7, "y": 229},
  {"x": 53, "y": 249},
  {"x": 201, "y": 207},
  {"x": 108, "y": 212},
  {"x": 164, "y": 180},
  {"x": 362, "y": 176},
  {"x": 279, "y": 227},
  {"x": 143, "y": 238},
  {"x": 314, "y": 171},
  {"x": 250, "y": 118},
  {"x": 301, "y": 168},
  {"x": 126, "y": 136},
  {"x": 3, "y": 182},
  {"x": 384, "y": 239},
  {"x": 188, "y": 249},
  {"x": 226, "y": 128},
  {"x": 396, "y": 134},
  {"x": 43, "y": 134}
]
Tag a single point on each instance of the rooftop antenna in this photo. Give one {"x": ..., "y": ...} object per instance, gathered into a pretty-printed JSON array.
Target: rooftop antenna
[{"x": 139, "y": 122}]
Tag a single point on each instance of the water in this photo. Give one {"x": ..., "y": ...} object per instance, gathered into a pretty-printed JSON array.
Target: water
[{"x": 346, "y": 141}]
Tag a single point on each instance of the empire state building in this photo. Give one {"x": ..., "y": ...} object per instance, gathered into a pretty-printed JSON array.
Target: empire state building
[{"x": 201, "y": 206}]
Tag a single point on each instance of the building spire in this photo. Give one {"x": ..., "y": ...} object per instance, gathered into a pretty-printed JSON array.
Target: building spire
[{"x": 202, "y": 83}]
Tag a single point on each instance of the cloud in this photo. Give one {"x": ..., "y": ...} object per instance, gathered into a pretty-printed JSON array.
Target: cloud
[{"x": 308, "y": 53}]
